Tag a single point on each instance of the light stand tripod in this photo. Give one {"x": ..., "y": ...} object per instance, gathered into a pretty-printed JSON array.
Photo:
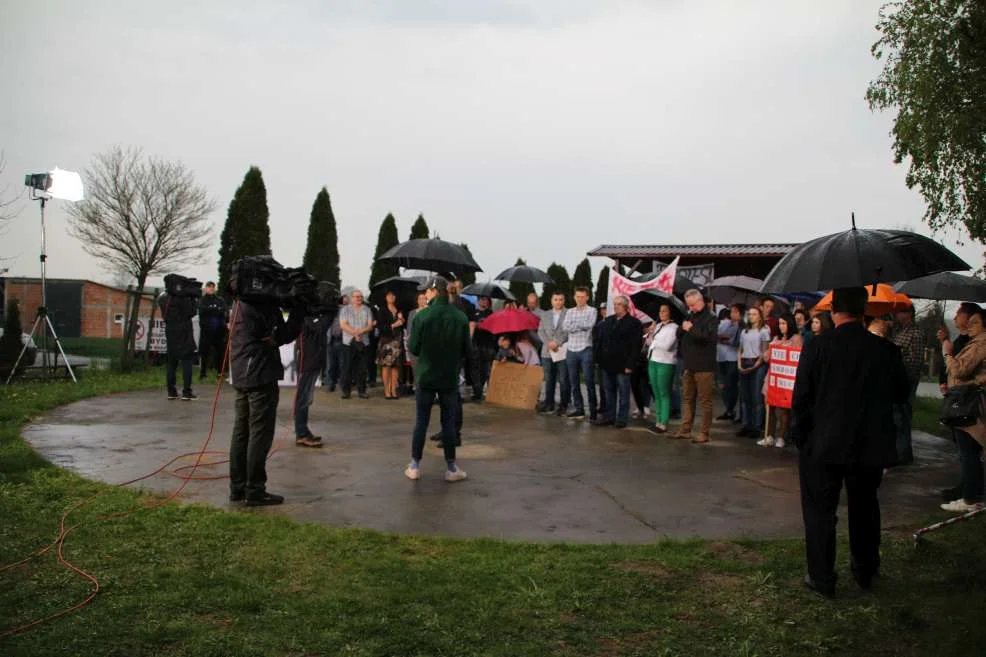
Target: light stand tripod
[{"x": 42, "y": 322}]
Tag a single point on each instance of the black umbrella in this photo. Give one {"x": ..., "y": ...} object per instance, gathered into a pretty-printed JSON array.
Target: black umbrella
[
  {"x": 405, "y": 288},
  {"x": 650, "y": 302},
  {"x": 488, "y": 290},
  {"x": 432, "y": 255},
  {"x": 681, "y": 282},
  {"x": 524, "y": 274},
  {"x": 728, "y": 290},
  {"x": 945, "y": 286},
  {"x": 859, "y": 257}
]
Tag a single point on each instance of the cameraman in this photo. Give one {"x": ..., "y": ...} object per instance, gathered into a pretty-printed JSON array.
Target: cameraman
[
  {"x": 212, "y": 330},
  {"x": 309, "y": 356},
  {"x": 258, "y": 330},
  {"x": 177, "y": 313}
]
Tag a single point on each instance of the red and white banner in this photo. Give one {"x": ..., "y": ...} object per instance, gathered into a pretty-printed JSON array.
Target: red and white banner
[
  {"x": 621, "y": 285},
  {"x": 780, "y": 377}
]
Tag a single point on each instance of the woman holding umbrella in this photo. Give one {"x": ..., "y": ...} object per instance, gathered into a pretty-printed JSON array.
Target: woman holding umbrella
[
  {"x": 391, "y": 322},
  {"x": 661, "y": 361}
]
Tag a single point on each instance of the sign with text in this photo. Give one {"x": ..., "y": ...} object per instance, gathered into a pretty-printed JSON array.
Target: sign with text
[
  {"x": 780, "y": 377},
  {"x": 515, "y": 386}
]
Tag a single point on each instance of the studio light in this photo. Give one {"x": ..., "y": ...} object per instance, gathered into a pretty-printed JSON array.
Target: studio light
[{"x": 57, "y": 183}]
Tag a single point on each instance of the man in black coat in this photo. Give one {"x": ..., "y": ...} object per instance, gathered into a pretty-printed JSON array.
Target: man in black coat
[
  {"x": 177, "y": 312},
  {"x": 698, "y": 337},
  {"x": 843, "y": 409},
  {"x": 212, "y": 330},
  {"x": 309, "y": 355},
  {"x": 616, "y": 352},
  {"x": 257, "y": 332}
]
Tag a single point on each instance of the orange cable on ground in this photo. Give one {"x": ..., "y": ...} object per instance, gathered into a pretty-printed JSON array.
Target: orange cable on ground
[{"x": 59, "y": 541}]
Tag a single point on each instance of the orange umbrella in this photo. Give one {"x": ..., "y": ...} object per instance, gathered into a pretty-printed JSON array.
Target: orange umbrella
[{"x": 885, "y": 301}]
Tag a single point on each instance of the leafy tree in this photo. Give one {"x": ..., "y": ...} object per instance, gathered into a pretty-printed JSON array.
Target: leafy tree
[
  {"x": 322, "y": 252},
  {"x": 467, "y": 278},
  {"x": 934, "y": 76},
  {"x": 144, "y": 216},
  {"x": 562, "y": 284},
  {"x": 386, "y": 240},
  {"x": 10, "y": 341},
  {"x": 520, "y": 289},
  {"x": 420, "y": 228},
  {"x": 247, "y": 229},
  {"x": 583, "y": 277},
  {"x": 602, "y": 287}
]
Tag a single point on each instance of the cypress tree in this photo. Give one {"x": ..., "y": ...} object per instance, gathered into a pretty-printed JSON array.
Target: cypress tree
[
  {"x": 322, "y": 252},
  {"x": 602, "y": 287},
  {"x": 247, "y": 231},
  {"x": 520, "y": 289},
  {"x": 467, "y": 278},
  {"x": 420, "y": 228},
  {"x": 386, "y": 240},
  {"x": 583, "y": 277},
  {"x": 562, "y": 284}
]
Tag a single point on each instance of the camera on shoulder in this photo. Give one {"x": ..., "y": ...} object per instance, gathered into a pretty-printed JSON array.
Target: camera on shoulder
[{"x": 177, "y": 285}]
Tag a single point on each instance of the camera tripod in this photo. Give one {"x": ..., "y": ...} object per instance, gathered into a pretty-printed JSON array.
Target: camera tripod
[{"x": 42, "y": 323}]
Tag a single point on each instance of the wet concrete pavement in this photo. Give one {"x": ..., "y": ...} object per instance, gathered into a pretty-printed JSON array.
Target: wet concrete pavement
[{"x": 537, "y": 478}]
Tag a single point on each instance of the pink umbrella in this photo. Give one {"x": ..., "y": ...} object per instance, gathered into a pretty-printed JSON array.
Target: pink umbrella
[{"x": 510, "y": 320}]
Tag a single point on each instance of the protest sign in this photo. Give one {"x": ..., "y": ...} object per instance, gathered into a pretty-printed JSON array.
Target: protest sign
[
  {"x": 515, "y": 386},
  {"x": 622, "y": 286},
  {"x": 780, "y": 377}
]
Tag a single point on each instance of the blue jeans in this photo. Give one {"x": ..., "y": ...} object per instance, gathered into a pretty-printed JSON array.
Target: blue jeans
[
  {"x": 303, "y": 396},
  {"x": 576, "y": 361},
  {"x": 556, "y": 372},
  {"x": 729, "y": 380},
  {"x": 751, "y": 386},
  {"x": 617, "y": 384},
  {"x": 333, "y": 363},
  {"x": 424, "y": 401}
]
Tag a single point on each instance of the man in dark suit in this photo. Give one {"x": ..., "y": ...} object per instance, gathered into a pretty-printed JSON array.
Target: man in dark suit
[
  {"x": 616, "y": 351},
  {"x": 847, "y": 383}
]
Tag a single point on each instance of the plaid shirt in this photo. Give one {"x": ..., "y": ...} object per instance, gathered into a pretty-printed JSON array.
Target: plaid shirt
[
  {"x": 911, "y": 341},
  {"x": 579, "y": 323}
]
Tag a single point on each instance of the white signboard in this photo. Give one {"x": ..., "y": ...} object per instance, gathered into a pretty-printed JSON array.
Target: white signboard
[{"x": 159, "y": 344}]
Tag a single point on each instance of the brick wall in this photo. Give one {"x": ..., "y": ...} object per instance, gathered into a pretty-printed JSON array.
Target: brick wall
[{"x": 100, "y": 305}]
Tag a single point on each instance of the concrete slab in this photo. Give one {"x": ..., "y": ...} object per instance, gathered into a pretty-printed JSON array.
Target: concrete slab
[{"x": 536, "y": 478}]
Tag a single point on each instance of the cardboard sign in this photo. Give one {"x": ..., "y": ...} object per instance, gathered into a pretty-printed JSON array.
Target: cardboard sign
[
  {"x": 159, "y": 344},
  {"x": 515, "y": 386},
  {"x": 780, "y": 377}
]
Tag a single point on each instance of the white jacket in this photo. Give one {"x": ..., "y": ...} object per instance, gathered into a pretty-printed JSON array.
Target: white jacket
[{"x": 664, "y": 344}]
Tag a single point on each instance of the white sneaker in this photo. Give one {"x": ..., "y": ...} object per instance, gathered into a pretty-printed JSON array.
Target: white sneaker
[
  {"x": 960, "y": 506},
  {"x": 779, "y": 442},
  {"x": 455, "y": 475},
  {"x": 412, "y": 472},
  {"x": 766, "y": 442}
]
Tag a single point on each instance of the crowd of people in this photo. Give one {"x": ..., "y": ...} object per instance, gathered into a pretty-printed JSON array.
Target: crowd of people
[{"x": 596, "y": 364}]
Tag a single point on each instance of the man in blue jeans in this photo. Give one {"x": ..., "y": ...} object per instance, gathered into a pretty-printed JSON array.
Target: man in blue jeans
[
  {"x": 553, "y": 340},
  {"x": 579, "y": 322},
  {"x": 309, "y": 354},
  {"x": 617, "y": 351},
  {"x": 439, "y": 339}
]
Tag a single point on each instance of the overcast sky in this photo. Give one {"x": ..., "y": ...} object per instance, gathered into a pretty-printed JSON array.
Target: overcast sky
[{"x": 538, "y": 129}]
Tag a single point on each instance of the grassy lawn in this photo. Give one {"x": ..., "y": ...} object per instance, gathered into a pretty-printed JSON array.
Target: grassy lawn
[
  {"x": 189, "y": 580},
  {"x": 925, "y": 416},
  {"x": 93, "y": 347}
]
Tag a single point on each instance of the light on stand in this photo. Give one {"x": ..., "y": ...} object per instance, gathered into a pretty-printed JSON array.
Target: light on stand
[{"x": 65, "y": 185}]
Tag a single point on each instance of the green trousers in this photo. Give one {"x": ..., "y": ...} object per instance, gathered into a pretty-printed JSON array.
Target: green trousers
[{"x": 660, "y": 375}]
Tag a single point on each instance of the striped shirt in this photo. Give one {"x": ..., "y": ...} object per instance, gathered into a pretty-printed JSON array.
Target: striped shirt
[{"x": 579, "y": 323}]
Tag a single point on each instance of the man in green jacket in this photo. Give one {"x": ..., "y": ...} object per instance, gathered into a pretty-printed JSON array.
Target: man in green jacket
[{"x": 439, "y": 339}]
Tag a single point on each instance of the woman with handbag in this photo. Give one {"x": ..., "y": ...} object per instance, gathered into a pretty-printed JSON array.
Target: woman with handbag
[{"x": 966, "y": 374}]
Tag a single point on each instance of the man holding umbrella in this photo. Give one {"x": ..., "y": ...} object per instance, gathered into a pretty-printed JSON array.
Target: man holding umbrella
[
  {"x": 440, "y": 340},
  {"x": 847, "y": 383}
]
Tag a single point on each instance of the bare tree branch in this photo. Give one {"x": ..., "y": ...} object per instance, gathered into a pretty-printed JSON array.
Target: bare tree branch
[
  {"x": 7, "y": 201},
  {"x": 142, "y": 216}
]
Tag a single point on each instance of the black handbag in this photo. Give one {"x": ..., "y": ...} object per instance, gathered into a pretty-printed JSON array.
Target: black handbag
[{"x": 962, "y": 406}]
